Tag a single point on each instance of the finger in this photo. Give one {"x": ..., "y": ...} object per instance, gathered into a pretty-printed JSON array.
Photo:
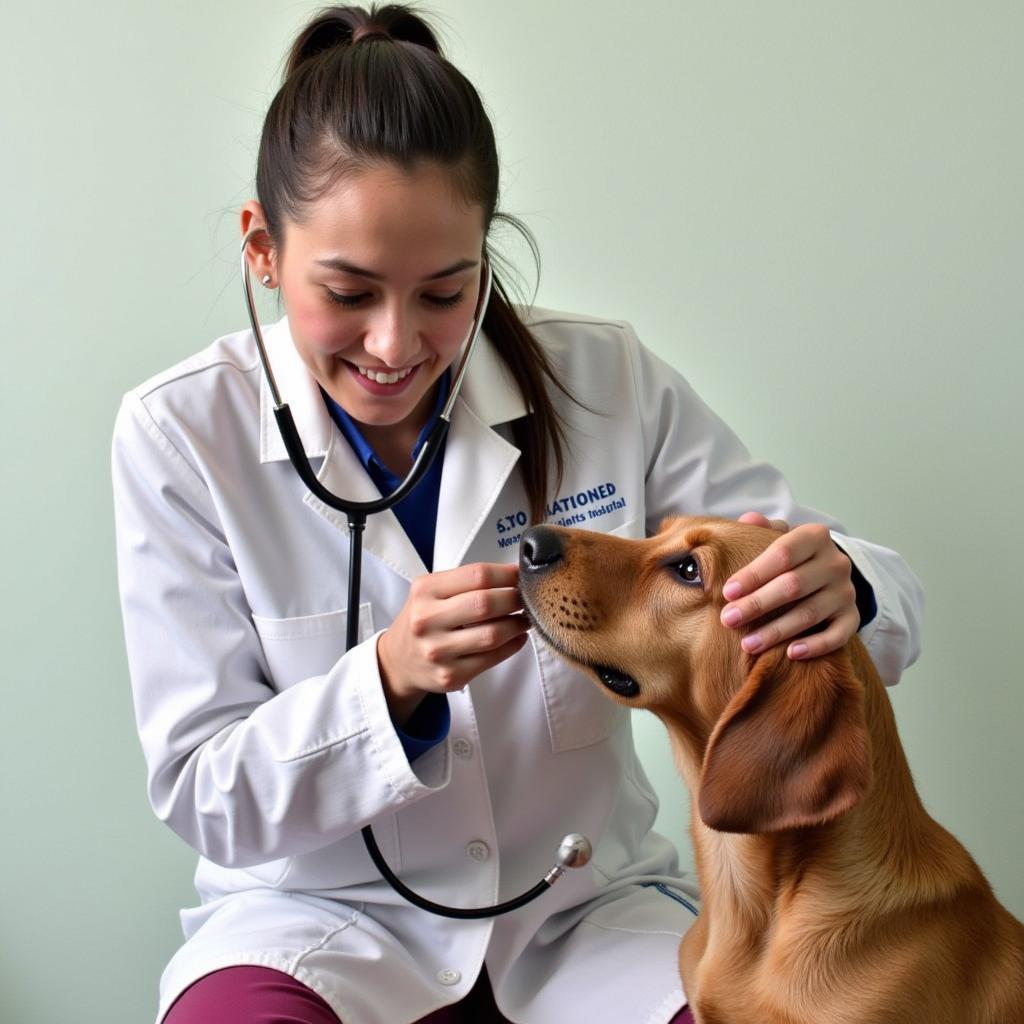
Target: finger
[
  {"x": 804, "y": 615},
  {"x": 838, "y": 634},
  {"x": 464, "y": 610},
  {"x": 786, "y": 553},
  {"x": 464, "y": 669},
  {"x": 485, "y": 636},
  {"x": 448, "y": 647},
  {"x": 797, "y": 584},
  {"x": 757, "y": 519},
  {"x": 474, "y": 576}
]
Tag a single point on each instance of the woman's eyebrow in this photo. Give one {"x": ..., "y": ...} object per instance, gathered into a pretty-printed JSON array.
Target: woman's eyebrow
[{"x": 337, "y": 263}]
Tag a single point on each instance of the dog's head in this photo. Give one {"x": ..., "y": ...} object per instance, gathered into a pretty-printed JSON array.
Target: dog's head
[{"x": 779, "y": 743}]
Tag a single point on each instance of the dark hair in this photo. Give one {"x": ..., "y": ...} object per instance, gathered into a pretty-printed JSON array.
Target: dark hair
[{"x": 362, "y": 87}]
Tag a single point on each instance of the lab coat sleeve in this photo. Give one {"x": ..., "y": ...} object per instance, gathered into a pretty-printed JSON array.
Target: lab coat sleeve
[
  {"x": 696, "y": 465},
  {"x": 242, "y": 773}
]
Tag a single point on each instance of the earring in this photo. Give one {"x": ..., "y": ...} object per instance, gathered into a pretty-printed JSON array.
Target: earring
[{"x": 265, "y": 280}]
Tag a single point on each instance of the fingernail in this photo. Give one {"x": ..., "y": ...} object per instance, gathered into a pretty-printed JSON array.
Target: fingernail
[
  {"x": 732, "y": 590},
  {"x": 752, "y": 643},
  {"x": 732, "y": 616},
  {"x": 798, "y": 650}
]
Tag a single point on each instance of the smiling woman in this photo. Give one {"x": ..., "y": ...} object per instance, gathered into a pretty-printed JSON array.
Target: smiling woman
[{"x": 448, "y": 727}]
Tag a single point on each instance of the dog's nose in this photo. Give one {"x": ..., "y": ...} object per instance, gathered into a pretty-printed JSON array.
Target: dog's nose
[{"x": 540, "y": 548}]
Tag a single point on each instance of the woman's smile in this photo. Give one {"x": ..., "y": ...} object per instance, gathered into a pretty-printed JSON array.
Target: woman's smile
[{"x": 383, "y": 381}]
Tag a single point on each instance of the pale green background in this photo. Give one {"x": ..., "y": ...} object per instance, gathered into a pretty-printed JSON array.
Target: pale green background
[{"x": 813, "y": 209}]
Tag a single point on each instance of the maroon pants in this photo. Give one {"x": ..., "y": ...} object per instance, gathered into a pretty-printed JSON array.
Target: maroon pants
[{"x": 261, "y": 995}]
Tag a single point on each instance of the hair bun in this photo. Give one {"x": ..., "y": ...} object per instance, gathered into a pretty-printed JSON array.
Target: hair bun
[
  {"x": 402, "y": 23},
  {"x": 332, "y": 27}
]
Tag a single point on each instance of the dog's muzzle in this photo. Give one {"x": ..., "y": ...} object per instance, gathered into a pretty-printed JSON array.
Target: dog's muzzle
[{"x": 541, "y": 550}]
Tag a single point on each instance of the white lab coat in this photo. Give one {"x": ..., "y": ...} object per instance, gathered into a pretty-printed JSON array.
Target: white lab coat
[{"x": 268, "y": 748}]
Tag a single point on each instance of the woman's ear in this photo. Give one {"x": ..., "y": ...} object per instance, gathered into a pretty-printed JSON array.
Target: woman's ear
[
  {"x": 791, "y": 749},
  {"x": 260, "y": 250}
]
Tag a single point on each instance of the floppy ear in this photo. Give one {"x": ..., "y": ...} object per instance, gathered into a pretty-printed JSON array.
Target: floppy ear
[{"x": 790, "y": 750}]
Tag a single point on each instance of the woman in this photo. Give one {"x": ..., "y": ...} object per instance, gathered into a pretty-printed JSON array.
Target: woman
[{"x": 452, "y": 730}]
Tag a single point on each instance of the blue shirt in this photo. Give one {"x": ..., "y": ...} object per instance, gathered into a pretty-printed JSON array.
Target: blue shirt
[{"x": 417, "y": 512}]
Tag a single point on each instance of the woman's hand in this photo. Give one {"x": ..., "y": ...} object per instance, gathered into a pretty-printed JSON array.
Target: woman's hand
[
  {"x": 453, "y": 626},
  {"x": 803, "y": 566}
]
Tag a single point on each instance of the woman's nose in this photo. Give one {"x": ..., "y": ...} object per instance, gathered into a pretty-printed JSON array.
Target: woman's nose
[{"x": 392, "y": 339}]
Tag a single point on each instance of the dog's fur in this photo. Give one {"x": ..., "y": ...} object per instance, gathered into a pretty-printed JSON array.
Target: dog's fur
[{"x": 829, "y": 894}]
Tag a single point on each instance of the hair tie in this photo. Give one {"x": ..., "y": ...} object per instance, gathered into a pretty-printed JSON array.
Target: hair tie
[{"x": 370, "y": 32}]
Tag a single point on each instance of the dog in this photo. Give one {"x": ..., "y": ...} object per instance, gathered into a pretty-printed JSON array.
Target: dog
[{"x": 829, "y": 894}]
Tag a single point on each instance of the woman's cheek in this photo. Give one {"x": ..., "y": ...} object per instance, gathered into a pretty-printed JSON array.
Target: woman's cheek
[
  {"x": 312, "y": 322},
  {"x": 316, "y": 332},
  {"x": 446, "y": 350},
  {"x": 447, "y": 341}
]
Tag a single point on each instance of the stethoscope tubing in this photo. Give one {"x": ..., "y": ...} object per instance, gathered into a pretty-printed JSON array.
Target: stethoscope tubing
[{"x": 575, "y": 849}]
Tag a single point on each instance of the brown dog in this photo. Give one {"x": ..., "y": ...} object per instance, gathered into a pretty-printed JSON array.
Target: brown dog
[{"x": 829, "y": 894}]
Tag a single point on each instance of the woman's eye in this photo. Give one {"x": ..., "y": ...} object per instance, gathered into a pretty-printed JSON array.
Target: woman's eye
[
  {"x": 688, "y": 570},
  {"x": 340, "y": 299},
  {"x": 446, "y": 301},
  {"x": 441, "y": 301}
]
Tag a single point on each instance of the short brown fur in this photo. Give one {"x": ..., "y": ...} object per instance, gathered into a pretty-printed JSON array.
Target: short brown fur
[{"x": 829, "y": 894}]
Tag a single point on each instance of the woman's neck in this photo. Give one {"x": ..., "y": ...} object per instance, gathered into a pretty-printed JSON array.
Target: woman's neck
[{"x": 393, "y": 443}]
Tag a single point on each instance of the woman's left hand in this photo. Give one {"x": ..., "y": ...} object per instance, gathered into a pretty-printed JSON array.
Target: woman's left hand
[{"x": 805, "y": 569}]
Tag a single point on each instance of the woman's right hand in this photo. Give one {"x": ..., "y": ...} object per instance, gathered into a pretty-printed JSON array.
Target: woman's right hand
[{"x": 453, "y": 626}]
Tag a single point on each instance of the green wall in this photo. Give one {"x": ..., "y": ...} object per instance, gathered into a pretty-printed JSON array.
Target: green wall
[{"x": 813, "y": 209}]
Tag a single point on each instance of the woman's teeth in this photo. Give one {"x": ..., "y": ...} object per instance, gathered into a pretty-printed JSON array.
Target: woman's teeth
[{"x": 386, "y": 378}]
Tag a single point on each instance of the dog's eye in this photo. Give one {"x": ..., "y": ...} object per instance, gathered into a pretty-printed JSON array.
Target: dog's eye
[{"x": 689, "y": 571}]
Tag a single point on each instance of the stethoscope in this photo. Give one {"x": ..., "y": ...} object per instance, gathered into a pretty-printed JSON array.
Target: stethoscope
[{"x": 574, "y": 850}]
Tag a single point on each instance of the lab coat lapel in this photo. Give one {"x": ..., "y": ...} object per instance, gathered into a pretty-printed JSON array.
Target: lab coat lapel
[
  {"x": 477, "y": 459},
  {"x": 299, "y": 391},
  {"x": 477, "y": 462}
]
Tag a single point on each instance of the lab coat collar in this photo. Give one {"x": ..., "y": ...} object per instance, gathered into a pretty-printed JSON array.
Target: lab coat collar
[
  {"x": 489, "y": 391},
  {"x": 477, "y": 459}
]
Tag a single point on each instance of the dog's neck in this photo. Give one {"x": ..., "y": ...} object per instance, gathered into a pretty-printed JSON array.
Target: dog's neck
[{"x": 867, "y": 861}]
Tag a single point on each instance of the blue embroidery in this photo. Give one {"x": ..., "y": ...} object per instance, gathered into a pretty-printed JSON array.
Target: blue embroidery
[
  {"x": 672, "y": 894},
  {"x": 570, "y": 510}
]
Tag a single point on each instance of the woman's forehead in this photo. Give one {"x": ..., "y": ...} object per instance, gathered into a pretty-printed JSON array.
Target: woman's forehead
[{"x": 388, "y": 211}]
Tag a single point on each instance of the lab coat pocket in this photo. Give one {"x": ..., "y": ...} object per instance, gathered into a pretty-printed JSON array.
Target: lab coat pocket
[{"x": 307, "y": 645}]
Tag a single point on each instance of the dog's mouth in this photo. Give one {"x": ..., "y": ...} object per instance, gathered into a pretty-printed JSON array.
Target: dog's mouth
[
  {"x": 616, "y": 681},
  {"x": 619, "y": 683}
]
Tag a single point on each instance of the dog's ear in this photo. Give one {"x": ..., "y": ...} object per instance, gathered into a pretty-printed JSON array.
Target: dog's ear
[{"x": 790, "y": 750}]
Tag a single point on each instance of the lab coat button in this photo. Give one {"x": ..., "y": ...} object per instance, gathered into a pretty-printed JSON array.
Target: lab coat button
[
  {"x": 462, "y": 748},
  {"x": 449, "y": 976},
  {"x": 478, "y": 850}
]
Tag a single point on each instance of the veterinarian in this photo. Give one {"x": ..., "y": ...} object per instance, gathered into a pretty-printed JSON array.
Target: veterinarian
[{"x": 469, "y": 747}]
